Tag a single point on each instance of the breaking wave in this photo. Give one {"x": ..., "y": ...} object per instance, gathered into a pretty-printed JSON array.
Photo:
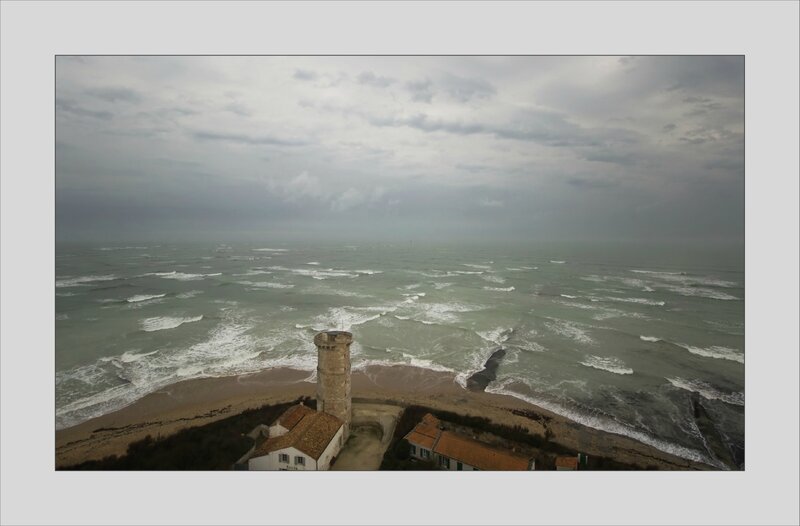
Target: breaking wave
[
  {"x": 161, "y": 323},
  {"x": 612, "y": 365},
  {"x": 707, "y": 391},
  {"x": 715, "y": 351},
  {"x": 82, "y": 280},
  {"x": 144, "y": 297}
]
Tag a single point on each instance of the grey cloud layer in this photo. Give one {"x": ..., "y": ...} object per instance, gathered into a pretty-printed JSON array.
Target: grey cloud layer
[{"x": 439, "y": 147}]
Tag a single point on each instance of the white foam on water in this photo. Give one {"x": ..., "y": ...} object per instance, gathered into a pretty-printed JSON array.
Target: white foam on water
[
  {"x": 423, "y": 363},
  {"x": 640, "y": 301},
  {"x": 161, "y": 323},
  {"x": 253, "y": 272},
  {"x": 707, "y": 391},
  {"x": 604, "y": 424},
  {"x": 189, "y": 294},
  {"x": 266, "y": 284},
  {"x": 270, "y": 250},
  {"x": 413, "y": 286},
  {"x": 612, "y": 365},
  {"x": 182, "y": 276},
  {"x": 368, "y": 272},
  {"x": 67, "y": 294},
  {"x": 318, "y": 273},
  {"x": 530, "y": 268},
  {"x": 568, "y": 296},
  {"x": 687, "y": 279},
  {"x": 62, "y": 317},
  {"x": 313, "y": 263},
  {"x": 476, "y": 266},
  {"x": 440, "y": 286},
  {"x": 82, "y": 280},
  {"x": 128, "y": 356},
  {"x": 493, "y": 278},
  {"x": 568, "y": 329},
  {"x": 715, "y": 351},
  {"x": 437, "y": 312},
  {"x": 499, "y": 289},
  {"x": 144, "y": 297},
  {"x": 702, "y": 293},
  {"x": 498, "y": 335},
  {"x": 649, "y": 339},
  {"x": 557, "y": 262}
]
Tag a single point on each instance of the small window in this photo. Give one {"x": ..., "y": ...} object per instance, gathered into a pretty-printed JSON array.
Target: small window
[
  {"x": 424, "y": 453},
  {"x": 444, "y": 462},
  {"x": 283, "y": 457},
  {"x": 300, "y": 461},
  {"x": 413, "y": 449},
  {"x": 459, "y": 466}
]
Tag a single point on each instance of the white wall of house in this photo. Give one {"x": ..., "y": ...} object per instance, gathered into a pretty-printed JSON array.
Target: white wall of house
[
  {"x": 334, "y": 446},
  {"x": 272, "y": 462}
]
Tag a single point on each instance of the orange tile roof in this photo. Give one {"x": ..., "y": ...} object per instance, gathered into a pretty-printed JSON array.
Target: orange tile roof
[
  {"x": 421, "y": 440},
  {"x": 311, "y": 433},
  {"x": 426, "y": 432},
  {"x": 567, "y": 462},
  {"x": 293, "y": 415},
  {"x": 478, "y": 454}
]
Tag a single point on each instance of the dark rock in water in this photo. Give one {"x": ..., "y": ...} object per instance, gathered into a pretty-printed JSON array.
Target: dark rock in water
[
  {"x": 479, "y": 380},
  {"x": 714, "y": 440}
]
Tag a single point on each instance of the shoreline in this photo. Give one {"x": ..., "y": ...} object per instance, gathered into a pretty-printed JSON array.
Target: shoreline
[{"x": 203, "y": 400}]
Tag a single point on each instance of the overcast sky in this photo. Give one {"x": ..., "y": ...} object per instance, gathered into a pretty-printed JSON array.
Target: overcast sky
[{"x": 408, "y": 148}]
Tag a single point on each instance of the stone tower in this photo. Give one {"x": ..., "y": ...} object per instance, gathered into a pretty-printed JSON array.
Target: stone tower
[{"x": 333, "y": 375}]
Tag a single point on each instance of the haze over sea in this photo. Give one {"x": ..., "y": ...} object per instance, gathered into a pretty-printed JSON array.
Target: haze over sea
[{"x": 617, "y": 337}]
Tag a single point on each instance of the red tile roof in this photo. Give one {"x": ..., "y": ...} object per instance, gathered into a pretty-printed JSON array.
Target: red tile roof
[
  {"x": 310, "y": 432},
  {"x": 478, "y": 454},
  {"x": 567, "y": 462},
  {"x": 427, "y": 434},
  {"x": 293, "y": 415}
]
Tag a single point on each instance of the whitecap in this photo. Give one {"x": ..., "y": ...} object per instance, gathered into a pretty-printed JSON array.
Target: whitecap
[
  {"x": 499, "y": 289},
  {"x": 557, "y": 262},
  {"x": 271, "y": 250},
  {"x": 612, "y": 365},
  {"x": 649, "y": 339},
  {"x": 707, "y": 391},
  {"x": 160, "y": 323},
  {"x": 568, "y": 296},
  {"x": 82, "y": 280},
  {"x": 715, "y": 351},
  {"x": 144, "y": 297}
]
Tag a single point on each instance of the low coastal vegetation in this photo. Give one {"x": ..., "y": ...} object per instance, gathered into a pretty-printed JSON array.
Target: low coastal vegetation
[
  {"x": 541, "y": 447},
  {"x": 214, "y": 446},
  {"x": 219, "y": 444}
]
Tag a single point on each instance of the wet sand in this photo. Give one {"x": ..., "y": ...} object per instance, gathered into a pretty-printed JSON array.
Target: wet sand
[{"x": 200, "y": 401}]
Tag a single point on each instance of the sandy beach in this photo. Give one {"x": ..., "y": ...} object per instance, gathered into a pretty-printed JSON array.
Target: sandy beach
[{"x": 200, "y": 401}]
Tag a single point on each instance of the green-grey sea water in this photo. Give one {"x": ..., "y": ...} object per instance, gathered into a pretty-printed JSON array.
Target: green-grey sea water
[{"x": 617, "y": 337}]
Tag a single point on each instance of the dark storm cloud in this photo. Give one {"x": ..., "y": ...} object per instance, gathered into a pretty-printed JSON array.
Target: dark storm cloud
[
  {"x": 115, "y": 94},
  {"x": 421, "y": 90},
  {"x": 543, "y": 127},
  {"x": 304, "y": 74},
  {"x": 246, "y": 139},
  {"x": 68, "y": 106},
  {"x": 371, "y": 79},
  {"x": 400, "y": 147},
  {"x": 465, "y": 89}
]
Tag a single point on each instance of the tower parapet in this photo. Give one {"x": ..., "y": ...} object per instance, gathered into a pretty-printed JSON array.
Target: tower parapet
[{"x": 333, "y": 375}]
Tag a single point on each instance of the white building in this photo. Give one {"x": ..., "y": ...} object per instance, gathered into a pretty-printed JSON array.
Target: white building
[
  {"x": 300, "y": 439},
  {"x": 455, "y": 452}
]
